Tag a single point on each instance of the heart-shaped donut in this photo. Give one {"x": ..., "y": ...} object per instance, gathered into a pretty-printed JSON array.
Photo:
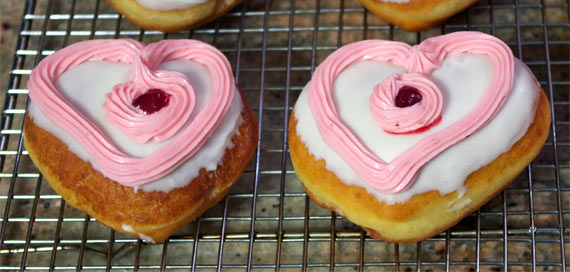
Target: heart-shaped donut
[
  {"x": 159, "y": 131},
  {"x": 361, "y": 152},
  {"x": 416, "y": 15},
  {"x": 111, "y": 161},
  {"x": 172, "y": 15},
  {"x": 422, "y": 59}
]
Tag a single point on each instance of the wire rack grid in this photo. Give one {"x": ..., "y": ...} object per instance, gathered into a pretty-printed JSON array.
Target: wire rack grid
[{"x": 267, "y": 223}]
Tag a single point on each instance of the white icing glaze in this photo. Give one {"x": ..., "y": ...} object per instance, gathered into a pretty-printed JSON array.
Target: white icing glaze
[
  {"x": 169, "y": 4},
  {"x": 87, "y": 93},
  {"x": 128, "y": 228},
  {"x": 146, "y": 238},
  {"x": 455, "y": 206},
  {"x": 463, "y": 79}
]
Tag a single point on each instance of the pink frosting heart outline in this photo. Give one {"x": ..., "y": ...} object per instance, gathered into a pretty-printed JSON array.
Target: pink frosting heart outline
[
  {"x": 110, "y": 161},
  {"x": 399, "y": 174}
]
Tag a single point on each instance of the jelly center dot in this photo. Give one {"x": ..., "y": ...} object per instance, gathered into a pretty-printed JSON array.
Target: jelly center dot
[
  {"x": 407, "y": 96},
  {"x": 152, "y": 101}
]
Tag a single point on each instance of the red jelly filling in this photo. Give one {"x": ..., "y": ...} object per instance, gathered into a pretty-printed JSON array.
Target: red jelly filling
[
  {"x": 407, "y": 96},
  {"x": 152, "y": 101}
]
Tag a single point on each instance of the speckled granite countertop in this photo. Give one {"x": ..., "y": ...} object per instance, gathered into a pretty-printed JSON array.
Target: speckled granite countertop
[
  {"x": 10, "y": 18},
  {"x": 378, "y": 255}
]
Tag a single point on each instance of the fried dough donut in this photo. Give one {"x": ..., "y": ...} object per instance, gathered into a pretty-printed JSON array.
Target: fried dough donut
[
  {"x": 416, "y": 15},
  {"x": 175, "y": 19},
  {"x": 152, "y": 216},
  {"x": 425, "y": 215},
  {"x": 143, "y": 138},
  {"x": 406, "y": 141}
]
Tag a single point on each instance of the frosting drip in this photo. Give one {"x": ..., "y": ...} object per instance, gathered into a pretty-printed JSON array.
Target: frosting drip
[
  {"x": 169, "y": 4},
  {"x": 398, "y": 174},
  {"x": 110, "y": 160},
  {"x": 401, "y": 120}
]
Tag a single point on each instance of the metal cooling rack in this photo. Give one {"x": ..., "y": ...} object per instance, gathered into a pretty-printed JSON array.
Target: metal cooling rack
[{"x": 267, "y": 222}]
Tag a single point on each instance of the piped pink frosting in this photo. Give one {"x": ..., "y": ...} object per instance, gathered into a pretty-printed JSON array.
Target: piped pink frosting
[
  {"x": 164, "y": 124},
  {"x": 160, "y": 125},
  {"x": 402, "y": 120},
  {"x": 419, "y": 62}
]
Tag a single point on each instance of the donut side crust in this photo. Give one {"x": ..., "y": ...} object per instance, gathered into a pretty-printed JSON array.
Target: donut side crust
[
  {"x": 424, "y": 215},
  {"x": 416, "y": 15},
  {"x": 173, "y": 20},
  {"x": 154, "y": 214}
]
